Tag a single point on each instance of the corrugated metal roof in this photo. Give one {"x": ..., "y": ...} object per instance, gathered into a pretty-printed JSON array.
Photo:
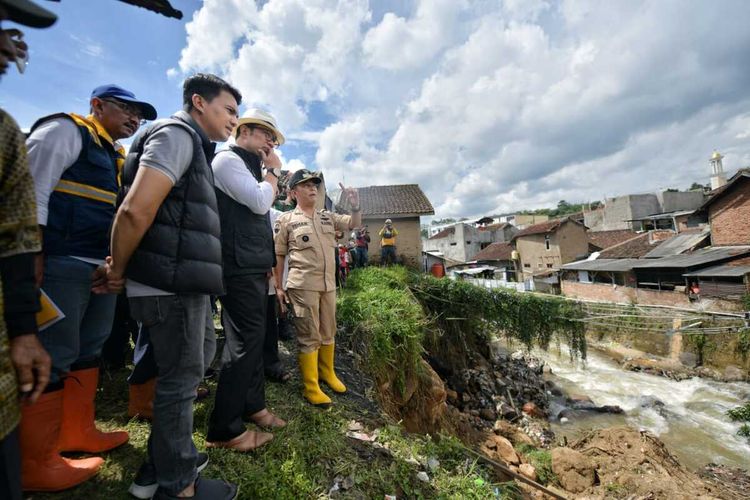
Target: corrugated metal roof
[
  {"x": 678, "y": 244},
  {"x": 664, "y": 215},
  {"x": 697, "y": 258},
  {"x": 725, "y": 270},
  {"x": 617, "y": 265}
]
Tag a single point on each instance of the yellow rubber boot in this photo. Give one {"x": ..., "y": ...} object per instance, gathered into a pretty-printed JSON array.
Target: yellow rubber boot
[
  {"x": 326, "y": 371},
  {"x": 308, "y": 365}
]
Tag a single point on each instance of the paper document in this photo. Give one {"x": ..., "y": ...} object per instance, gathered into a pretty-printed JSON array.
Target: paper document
[{"x": 50, "y": 313}]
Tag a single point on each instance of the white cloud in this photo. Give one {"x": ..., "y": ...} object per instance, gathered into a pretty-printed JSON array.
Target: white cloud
[
  {"x": 399, "y": 43},
  {"x": 494, "y": 106}
]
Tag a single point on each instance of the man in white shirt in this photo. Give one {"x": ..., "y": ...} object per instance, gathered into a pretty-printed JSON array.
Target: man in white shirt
[{"x": 245, "y": 195}]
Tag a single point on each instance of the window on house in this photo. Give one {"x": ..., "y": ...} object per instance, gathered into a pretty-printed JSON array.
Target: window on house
[
  {"x": 453, "y": 244},
  {"x": 468, "y": 242},
  {"x": 483, "y": 245},
  {"x": 546, "y": 242},
  {"x": 549, "y": 266},
  {"x": 527, "y": 265}
]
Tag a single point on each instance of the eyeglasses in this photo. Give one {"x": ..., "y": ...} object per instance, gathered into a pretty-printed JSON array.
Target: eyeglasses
[
  {"x": 130, "y": 109},
  {"x": 270, "y": 136}
]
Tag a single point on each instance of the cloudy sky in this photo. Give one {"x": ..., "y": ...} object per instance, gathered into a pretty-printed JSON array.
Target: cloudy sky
[{"x": 490, "y": 106}]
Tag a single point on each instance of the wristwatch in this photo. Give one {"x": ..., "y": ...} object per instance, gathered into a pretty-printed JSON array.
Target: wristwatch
[{"x": 276, "y": 172}]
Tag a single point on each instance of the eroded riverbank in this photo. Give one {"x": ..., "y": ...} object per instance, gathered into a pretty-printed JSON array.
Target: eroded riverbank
[{"x": 688, "y": 415}]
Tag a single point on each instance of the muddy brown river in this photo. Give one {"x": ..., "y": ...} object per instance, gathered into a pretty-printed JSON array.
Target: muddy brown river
[{"x": 689, "y": 415}]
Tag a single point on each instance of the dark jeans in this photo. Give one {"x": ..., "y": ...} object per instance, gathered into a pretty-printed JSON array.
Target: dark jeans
[
  {"x": 10, "y": 467},
  {"x": 78, "y": 338},
  {"x": 244, "y": 321},
  {"x": 144, "y": 365},
  {"x": 176, "y": 325},
  {"x": 362, "y": 257},
  {"x": 388, "y": 255},
  {"x": 271, "y": 342}
]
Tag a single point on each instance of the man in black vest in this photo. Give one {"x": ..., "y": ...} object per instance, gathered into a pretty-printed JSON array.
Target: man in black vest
[
  {"x": 245, "y": 198},
  {"x": 166, "y": 240}
]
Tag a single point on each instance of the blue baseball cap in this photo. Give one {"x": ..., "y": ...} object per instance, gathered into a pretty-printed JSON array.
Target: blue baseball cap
[{"x": 119, "y": 93}]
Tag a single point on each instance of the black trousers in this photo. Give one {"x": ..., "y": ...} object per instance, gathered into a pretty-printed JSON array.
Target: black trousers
[
  {"x": 271, "y": 342},
  {"x": 246, "y": 304},
  {"x": 10, "y": 466},
  {"x": 115, "y": 349}
]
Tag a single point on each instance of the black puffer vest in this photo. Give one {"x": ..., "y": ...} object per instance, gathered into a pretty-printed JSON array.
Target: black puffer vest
[
  {"x": 246, "y": 237},
  {"x": 181, "y": 251}
]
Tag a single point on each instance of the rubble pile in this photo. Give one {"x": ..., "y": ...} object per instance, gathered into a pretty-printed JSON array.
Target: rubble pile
[{"x": 505, "y": 387}]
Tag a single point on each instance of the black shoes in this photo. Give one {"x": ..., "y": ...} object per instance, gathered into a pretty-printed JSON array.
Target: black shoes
[{"x": 144, "y": 485}]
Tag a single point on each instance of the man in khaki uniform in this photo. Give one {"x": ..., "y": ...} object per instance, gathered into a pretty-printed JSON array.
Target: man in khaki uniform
[{"x": 307, "y": 236}]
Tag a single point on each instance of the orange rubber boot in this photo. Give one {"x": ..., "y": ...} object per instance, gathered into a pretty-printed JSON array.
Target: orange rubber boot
[
  {"x": 42, "y": 467},
  {"x": 141, "y": 400},
  {"x": 78, "y": 432}
]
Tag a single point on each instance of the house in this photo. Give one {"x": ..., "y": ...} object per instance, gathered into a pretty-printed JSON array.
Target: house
[
  {"x": 549, "y": 245},
  {"x": 500, "y": 256},
  {"x": 404, "y": 204},
  {"x": 721, "y": 274},
  {"x": 463, "y": 241},
  {"x": 728, "y": 211},
  {"x": 626, "y": 212},
  {"x": 726, "y": 281},
  {"x": 678, "y": 221}
]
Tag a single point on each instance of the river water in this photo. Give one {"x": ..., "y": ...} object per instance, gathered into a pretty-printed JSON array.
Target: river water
[{"x": 692, "y": 421}]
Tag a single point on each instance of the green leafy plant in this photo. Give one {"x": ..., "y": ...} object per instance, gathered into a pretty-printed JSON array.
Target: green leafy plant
[
  {"x": 541, "y": 460},
  {"x": 741, "y": 414}
]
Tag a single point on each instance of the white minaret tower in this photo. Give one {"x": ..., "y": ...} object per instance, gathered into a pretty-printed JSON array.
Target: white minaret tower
[{"x": 718, "y": 177}]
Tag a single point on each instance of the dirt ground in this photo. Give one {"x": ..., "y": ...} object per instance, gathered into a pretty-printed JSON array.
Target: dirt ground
[{"x": 636, "y": 465}]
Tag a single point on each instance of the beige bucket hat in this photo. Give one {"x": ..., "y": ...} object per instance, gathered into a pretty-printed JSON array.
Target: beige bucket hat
[{"x": 256, "y": 116}]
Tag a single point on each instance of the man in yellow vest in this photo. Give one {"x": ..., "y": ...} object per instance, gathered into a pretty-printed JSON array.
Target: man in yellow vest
[
  {"x": 75, "y": 162},
  {"x": 388, "y": 243}
]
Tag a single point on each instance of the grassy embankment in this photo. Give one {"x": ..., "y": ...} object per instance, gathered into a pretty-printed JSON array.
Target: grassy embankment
[{"x": 390, "y": 320}]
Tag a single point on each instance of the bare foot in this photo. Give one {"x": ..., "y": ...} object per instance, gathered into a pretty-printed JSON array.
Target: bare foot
[{"x": 266, "y": 419}]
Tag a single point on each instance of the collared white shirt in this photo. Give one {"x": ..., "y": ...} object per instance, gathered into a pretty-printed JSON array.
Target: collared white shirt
[{"x": 232, "y": 178}]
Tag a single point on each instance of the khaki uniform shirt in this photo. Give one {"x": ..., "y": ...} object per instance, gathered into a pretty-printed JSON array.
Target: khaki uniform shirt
[{"x": 310, "y": 243}]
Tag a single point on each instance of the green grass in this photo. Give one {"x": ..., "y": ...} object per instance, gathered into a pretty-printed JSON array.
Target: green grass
[
  {"x": 390, "y": 318},
  {"x": 542, "y": 462},
  {"x": 304, "y": 458}
]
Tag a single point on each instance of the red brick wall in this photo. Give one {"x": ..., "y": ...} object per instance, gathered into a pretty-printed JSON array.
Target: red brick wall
[{"x": 730, "y": 216}]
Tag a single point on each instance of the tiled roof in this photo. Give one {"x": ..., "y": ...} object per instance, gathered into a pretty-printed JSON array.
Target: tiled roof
[
  {"x": 403, "y": 199},
  {"x": 162, "y": 7},
  {"x": 549, "y": 226},
  {"x": 634, "y": 248},
  {"x": 495, "y": 251},
  {"x": 606, "y": 239},
  {"x": 444, "y": 233}
]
